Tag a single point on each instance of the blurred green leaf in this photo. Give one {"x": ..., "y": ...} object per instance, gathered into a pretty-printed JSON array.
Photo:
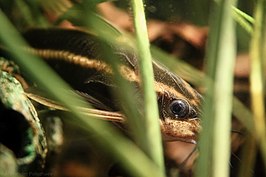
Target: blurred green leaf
[
  {"x": 151, "y": 113},
  {"x": 215, "y": 136},
  {"x": 257, "y": 73},
  {"x": 243, "y": 19}
]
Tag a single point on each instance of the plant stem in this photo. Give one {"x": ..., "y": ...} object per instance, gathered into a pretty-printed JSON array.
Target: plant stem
[
  {"x": 256, "y": 76},
  {"x": 147, "y": 77},
  {"x": 215, "y": 136}
]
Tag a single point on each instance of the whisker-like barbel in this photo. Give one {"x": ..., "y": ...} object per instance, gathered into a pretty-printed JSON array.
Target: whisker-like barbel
[{"x": 100, "y": 114}]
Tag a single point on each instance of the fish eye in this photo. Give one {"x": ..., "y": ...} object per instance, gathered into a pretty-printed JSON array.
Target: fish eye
[{"x": 179, "y": 108}]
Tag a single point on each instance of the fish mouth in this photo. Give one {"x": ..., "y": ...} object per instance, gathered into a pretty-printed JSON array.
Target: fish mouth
[
  {"x": 180, "y": 130},
  {"x": 169, "y": 138}
]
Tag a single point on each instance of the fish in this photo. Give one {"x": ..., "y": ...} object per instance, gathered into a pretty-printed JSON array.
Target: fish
[{"x": 77, "y": 57}]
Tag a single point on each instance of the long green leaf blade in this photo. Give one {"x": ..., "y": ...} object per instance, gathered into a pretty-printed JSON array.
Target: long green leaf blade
[
  {"x": 147, "y": 77},
  {"x": 256, "y": 76},
  {"x": 215, "y": 137}
]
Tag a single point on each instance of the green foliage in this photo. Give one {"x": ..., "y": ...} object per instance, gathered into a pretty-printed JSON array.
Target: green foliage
[{"x": 219, "y": 101}]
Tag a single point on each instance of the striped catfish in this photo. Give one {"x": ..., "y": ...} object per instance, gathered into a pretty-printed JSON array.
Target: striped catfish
[{"x": 77, "y": 57}]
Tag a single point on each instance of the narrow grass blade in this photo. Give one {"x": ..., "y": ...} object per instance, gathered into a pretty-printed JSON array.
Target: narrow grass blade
[
  {"x": 256, "y": 76},
  {"x": 215, "y": 137},
  {"x": 223, "y": 90},
  {"x": 243, "y": 15},
  {"x": 151, "y": 113},
  {"x": 243, "y": 19}
]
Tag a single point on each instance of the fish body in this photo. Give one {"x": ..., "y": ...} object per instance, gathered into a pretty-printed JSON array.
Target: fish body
[{"x": 77, "y": 57}]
